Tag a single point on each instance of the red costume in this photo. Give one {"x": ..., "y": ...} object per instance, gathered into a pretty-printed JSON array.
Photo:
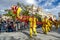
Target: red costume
[{"x": 14, "y": 9}]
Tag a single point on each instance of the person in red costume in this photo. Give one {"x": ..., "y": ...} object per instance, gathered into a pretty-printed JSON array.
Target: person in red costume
[{"x": 51, "y": 23}]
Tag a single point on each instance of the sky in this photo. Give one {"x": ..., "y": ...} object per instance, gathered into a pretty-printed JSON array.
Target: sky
[{"x": 52, "y": 6}]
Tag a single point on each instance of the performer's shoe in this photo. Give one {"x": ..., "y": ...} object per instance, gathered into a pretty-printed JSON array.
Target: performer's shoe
[
  {"x": 35, "y": 35},
  {"x": 45, "y": 33},
  {"x": 31, "y": 36}
]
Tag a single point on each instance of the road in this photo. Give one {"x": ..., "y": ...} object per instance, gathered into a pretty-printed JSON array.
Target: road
[{"x": 24, "y": 35}]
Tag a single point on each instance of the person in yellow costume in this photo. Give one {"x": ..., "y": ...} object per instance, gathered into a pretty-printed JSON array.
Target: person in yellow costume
[
  {"x": 50, "y": 24},
  {"x": 45, "y": 26},
  {"x": 33, "y": 25},
  {"x": 18, "y": 12}
]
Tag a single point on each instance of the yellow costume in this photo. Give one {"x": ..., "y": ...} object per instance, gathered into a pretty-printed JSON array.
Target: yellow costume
[
  {"x": 45, "y": 26},
  {"x": 32, "y": 26},
  {"x": 18, "y": 12},
  {"x": 50, "y": 25}
]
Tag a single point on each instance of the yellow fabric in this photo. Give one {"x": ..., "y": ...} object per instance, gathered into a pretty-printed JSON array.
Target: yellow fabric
[
  {"x": 45, "y": 27},
  {"x": 50, "y": 25},
  {"x": 30, "y": 20},
  {"x": 35, "y": 22},
  {"x": 33, "y": 30},
  {"x": 32, "y": 26},
  {"x": 18, "y": 12}
]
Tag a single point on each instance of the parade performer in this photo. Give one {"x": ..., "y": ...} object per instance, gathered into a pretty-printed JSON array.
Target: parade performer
[
  {"x": 18, "y": 12},
  {"x": 14, "y": 9},
  {"x": 56, "y": 24},
  {"x": 50, "y": 23},
  {"x": 33, "y": 26},
  {"x": 45, "y": 25}
]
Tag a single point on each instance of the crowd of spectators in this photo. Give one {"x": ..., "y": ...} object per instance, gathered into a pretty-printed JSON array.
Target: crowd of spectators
[{"x": 10, "y": 25}]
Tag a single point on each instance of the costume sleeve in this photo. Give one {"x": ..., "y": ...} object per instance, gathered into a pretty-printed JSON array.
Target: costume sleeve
[{"x": 18, "y": 12}]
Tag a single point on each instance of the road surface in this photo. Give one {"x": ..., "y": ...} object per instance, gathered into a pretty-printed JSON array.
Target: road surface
[{"x": 24, "y": 35}]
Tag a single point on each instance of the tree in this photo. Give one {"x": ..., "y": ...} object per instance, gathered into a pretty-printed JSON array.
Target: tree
[{"x": 10, "y": 13}]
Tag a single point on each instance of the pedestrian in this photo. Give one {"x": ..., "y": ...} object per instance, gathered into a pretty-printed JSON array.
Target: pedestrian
[
  {"x": 0, "y": 25},
  {"x": 3, "y": 28}
]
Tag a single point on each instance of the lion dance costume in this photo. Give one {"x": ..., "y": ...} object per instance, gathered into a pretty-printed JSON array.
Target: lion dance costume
[
  {"x": 46, "y": 25},
  {"x": 33, "y": 26}
]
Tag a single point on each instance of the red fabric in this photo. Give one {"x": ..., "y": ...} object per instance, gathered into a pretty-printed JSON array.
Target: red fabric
[
  {"x": 50, "y": 19},
  {"x": 39, "y": 23},
  {"x": 14, "y": 9},
  {"x": 56, "y": 20},
  {"x": 24, "y": 19}
]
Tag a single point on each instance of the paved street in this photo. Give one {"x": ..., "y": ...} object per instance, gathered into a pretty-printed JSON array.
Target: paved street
[{"x": 24, "y": 35}]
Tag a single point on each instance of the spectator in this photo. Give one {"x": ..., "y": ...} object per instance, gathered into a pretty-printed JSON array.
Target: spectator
[
  {"x": 0, "y": 25},
  {"x": 10, "y": 29},
  {"x": 17, "y": 25}
]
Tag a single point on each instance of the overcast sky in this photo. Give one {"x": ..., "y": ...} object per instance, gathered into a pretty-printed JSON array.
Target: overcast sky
[{"x": 52, "y": 6}]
